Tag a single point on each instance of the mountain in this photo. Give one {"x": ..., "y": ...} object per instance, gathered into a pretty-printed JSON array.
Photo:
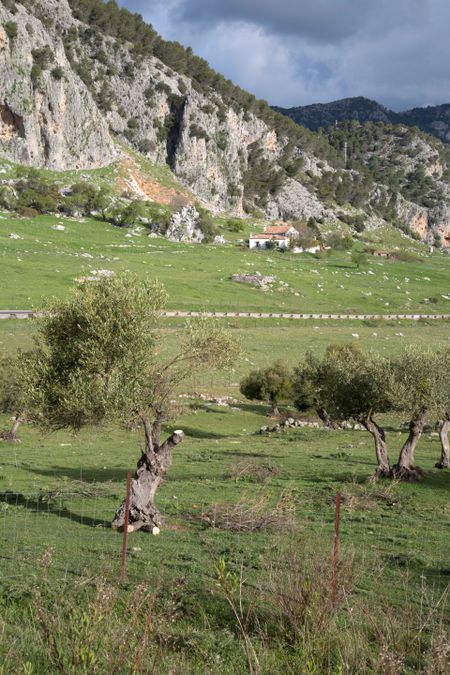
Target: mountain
[
  {"x": 323, "y": 115},
  {"x": 434, "y": 120},
  {"x": 81, "y": 78}
]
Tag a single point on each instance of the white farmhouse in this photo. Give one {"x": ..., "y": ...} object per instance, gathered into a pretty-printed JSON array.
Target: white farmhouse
[
  {"x": 280, "y": 235},
  {"x": 260, "y": 240}
]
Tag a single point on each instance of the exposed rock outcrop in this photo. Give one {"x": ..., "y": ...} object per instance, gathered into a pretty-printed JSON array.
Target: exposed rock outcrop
[
  {"x": 256, "y": 279},
  {"x": 47, "y": 118},
  {"x": 183, "y": 226}
]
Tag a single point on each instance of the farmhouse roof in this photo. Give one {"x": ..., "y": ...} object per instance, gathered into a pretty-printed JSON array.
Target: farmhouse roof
[{"x": 278, "y": 229}]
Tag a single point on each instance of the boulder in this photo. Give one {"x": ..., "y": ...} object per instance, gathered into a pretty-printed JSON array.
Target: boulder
[{"x": 256, "y": 279}]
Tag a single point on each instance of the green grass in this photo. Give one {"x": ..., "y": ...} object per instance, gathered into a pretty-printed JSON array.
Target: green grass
[
  {"x": 46, "y": 262},
  {"x": 401, "y": 536},
  {"x": 102, "y": 177},
  {"x": 267, "y": 340},
  {"x": 401, "y": 546}
]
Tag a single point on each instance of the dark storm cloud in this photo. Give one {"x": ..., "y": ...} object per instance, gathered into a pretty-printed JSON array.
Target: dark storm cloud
[
  {"x": 321, "y": 20},
  {"x": 295, "y": 52}
]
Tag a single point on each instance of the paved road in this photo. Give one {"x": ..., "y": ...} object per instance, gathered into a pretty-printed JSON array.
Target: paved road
[{"x": 28, "y": 314}]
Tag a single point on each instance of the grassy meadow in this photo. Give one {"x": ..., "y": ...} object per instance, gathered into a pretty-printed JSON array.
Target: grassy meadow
[
  {"x": 59, "y": 492},
  {"x": 44, "y": 261},
  {"x": 60, "y": 558}
]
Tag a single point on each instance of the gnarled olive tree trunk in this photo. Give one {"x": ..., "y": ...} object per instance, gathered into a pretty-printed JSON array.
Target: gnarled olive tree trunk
[
  {"x": 405, "y": 468},
  {"x": 12, "y": 434},
  {"x": 444, "y": 428},
  {"x": 326, "y": 418},
  {"x": 379, "y": 436},
  {"x": 275, "y": 410},
  {"x": 150, "y": 472}
]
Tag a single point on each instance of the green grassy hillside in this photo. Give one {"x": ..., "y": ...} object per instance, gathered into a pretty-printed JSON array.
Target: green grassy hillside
[{"x": 44, "y": 261}]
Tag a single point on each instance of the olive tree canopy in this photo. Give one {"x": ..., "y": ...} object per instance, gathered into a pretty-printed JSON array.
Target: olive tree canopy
[
  {"x": 272, "y": 384},
  {"x": 348, "y": 383},
  {"x": 100, "y": 356}
]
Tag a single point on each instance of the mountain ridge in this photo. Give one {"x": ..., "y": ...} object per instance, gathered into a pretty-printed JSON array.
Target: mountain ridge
[{"x": 434, "y": 120}]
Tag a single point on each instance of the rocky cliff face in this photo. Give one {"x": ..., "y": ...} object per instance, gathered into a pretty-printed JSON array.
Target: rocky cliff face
[
  {"x": 68, "y": 123},
  {"x": 69, "y": 92},
  {"x": 47, "y": 120}
]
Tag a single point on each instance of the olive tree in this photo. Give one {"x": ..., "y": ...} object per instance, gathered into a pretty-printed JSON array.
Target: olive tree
[
  {"x": 130, "y": 214},
  {"x": 444, "y": 428},
  {"x": 352, "y": 384},
  {"x": 272, "y": 384},
  {"x": 307, "y": 390},
  {"x": 421, "y": 389},
  {"x": 348, "y": 383},
  {"x": 99, "y": 357}
]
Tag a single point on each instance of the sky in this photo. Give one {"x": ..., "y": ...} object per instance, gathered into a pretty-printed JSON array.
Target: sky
[{"x": 297, "y": 52}]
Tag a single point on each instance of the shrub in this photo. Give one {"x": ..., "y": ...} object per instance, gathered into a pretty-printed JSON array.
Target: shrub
[
  {"x": 146, "y": 146},
  {"x": 128, "y": 70},
  {"x": 162, "y": 87},
  {"x": 234, "y": 190},
  {"x": 234, "y": 225},
  {"x": 251, "y": 515},
  {"x": 133, "y": 123},
  {"x": 149, "y": 95},
  {"x": 36, "y": 72},
  {"x": 196, "y": 131},
  {"x": 27, "y": 212},
  {"x": 57, "y": 73},
  {"x": 406, "y": 256},
  {"x": 252, "y": 472},
  {"x": 7, "y": 197},
  {"x": 11, "y": 5},
  {"x": 205, "y": 223},
  {"x": 84, "y": 72},
  {"x": 105, "y": 98},
  {"x": 129, "y": 135},
  {"x": 43, "y": 57},
  {"x": 11, "y": 29},
  {"x": 340, "y": 242}
]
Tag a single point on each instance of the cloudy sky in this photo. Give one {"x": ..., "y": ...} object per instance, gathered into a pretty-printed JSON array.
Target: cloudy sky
[{"x": 296, "y": 52}]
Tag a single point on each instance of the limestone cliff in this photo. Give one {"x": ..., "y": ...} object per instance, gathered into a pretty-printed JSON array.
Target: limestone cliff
[{"x": 51, "y": 120}]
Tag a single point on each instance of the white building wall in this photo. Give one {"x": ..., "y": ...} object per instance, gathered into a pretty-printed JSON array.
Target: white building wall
[{"x": 261, "y": 243}]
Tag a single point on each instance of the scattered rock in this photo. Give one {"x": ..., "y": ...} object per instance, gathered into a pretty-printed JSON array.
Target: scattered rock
[
  {"x": 256, "y": 279},
  {"x": 219, "y": 239}
]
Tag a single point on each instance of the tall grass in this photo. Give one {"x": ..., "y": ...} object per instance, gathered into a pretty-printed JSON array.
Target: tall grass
[{"x": 279, "y": 618}]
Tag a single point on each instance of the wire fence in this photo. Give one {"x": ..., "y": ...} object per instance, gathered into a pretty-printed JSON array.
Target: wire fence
[{"x": 66, "y": 531}]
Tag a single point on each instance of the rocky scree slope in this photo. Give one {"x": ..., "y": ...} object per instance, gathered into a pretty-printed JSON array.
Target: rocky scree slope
[{"x": 69, "y": 89}]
